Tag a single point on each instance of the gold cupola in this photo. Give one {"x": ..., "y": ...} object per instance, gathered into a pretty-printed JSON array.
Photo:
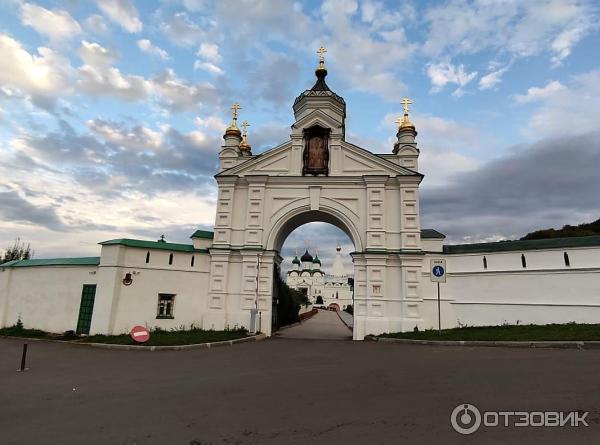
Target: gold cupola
[{"x": 245, "y": 147}]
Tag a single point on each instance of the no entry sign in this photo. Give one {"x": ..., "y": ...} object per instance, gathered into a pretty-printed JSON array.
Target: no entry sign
[{"x": 140, "y": 334}]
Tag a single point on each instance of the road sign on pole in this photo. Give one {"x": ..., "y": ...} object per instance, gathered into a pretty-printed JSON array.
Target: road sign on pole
[
  {"x": 438, "y": 275},
  {"x": 438, "y": 271}
]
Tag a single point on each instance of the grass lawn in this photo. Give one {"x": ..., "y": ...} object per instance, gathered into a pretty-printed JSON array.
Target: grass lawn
[
  {"x": 531, "y": 332},
  {"x": 15, "y": 331},
  {"x": 157, "y": 338},
  {"x": 170, "y": 338}
]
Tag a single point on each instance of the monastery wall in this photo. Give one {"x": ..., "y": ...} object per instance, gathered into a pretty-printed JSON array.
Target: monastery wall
[
  {"x": 545, "y": 291},
  {"x": 45, "y": 297}
]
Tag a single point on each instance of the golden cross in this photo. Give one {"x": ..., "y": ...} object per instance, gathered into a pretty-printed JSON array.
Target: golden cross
[
  {"x": 320, "y": 52},
  {"x": 235, "y": 108},
  {"x": 406, "y": 102},
  {"x": 399, "y": 121},
  {"x": 245, "y": 126}
]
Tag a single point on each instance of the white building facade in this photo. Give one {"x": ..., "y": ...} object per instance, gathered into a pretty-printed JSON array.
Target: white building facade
[
  {"x": 218, "y": 280},
  {"x": 308, "y": 276}
]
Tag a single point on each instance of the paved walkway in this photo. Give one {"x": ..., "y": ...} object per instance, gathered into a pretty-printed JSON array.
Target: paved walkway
[{"x": 325, "y": 325}]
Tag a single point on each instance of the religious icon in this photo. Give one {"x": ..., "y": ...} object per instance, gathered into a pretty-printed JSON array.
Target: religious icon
[{"x": 316, "y": 154}]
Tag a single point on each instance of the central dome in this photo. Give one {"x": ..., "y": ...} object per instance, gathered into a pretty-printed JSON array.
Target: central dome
[{"x": 307, "y": 257}]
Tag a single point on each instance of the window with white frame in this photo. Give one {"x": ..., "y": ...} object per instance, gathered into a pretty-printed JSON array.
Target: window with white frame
[{"x": 166, "y": 303}]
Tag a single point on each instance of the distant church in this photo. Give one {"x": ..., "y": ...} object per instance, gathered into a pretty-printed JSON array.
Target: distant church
[
  {"x": 307, "y": 276},
  {"x": 225, "y": 277}
]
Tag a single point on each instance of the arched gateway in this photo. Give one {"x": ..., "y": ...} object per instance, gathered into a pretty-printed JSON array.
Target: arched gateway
[{"x": 318, "y": 176}]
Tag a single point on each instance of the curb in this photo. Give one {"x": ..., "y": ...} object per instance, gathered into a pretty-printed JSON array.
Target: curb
[
  {"x": 344, "y": 321},
  {"x": 506, "y": 344},
  {"x": 215, "y": 344}
]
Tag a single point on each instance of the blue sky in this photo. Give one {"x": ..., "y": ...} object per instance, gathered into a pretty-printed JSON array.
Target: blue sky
[{"x": 111, "y": 112}]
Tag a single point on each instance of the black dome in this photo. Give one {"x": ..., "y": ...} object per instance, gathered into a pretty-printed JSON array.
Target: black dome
[{"x": 306, "y": 257}]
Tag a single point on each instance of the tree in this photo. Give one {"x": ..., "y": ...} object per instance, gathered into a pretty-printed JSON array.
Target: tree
[
  {"x": 18, "y": 251},
  {"x": 586, "y": 229}
]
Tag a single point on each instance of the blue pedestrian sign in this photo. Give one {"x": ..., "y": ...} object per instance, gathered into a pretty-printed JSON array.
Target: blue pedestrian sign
[{"x": 438, "y": 271}]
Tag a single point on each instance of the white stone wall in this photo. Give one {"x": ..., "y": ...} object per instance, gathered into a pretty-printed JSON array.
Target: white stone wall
[
  {"x": 119, "y": 307},
  {"x": 546, "y": 291},
  {"x": 46, "y": 297}
]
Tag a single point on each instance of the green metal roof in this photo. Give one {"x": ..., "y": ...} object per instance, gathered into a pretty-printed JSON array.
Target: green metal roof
[
  {"x": 507, "y": 246},
  {"x": 173, "y": 247},
  {"x": 206, "y": 234},
  {"x": 85, "y": 261},
  {"x": 431, "y": 234}
]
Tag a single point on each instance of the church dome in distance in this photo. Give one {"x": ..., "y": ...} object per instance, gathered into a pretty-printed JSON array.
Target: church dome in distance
[
  {"x": 307, "y": 257},
  {"x": 317, "y": 260},
  {"x": 296, "y": 260}
]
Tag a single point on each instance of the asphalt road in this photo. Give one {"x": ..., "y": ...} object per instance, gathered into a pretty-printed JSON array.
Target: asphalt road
[
  {"x": 324, "y": 325},
  {"x": 284, "y": 391}
]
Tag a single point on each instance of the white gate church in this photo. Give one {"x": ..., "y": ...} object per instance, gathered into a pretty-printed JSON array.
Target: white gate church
[
  {"x": 318, "y": 176},
  {"x": 315, "y": 176}
]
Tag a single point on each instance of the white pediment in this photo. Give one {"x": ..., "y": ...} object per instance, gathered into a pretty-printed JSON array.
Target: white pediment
[
  {"x": 317, "y": 117},
  {"x": 352, "y": 161},
  {"x": 275, "y": 162},
  {"x": 356, "y": 161}
]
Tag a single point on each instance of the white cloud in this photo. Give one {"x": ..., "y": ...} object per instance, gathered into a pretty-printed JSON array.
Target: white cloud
[
  {"x": 439, "y": 168},
  {"x": 537, "y": 93},
  {"x": 209, "y": 51},
  {"x": 146, "y": 46},
  {"x": 207, "y": 66},
  {"x": 178, "y": 95},
  {"x": 123, "y": 13},
  {"x": 95, "y": 55},
  {"x": 95, "y": 23},
  {"x": 182, "y": 31},
  {"x": 110, "y": 81},
  {"x": 564, "y": 109},
  {"x": 138, "y": 137},
  {"x": 491, "y": 79},
  {"x": 47, "y": 72},
  {"x": 368, "y": 57},
  {"x": 212, "y": 123},
  {"x": 58, "y": 25},
  {"x": 442, "y": 74},
  {"x": 97, "y": 76},
  {"x": 520, "y": 29}
]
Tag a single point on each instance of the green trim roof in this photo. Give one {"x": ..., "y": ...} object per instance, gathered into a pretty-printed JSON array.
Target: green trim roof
[
  {"x": 84, "y": 261},
  {"x": 508, "y": 246},
  {"x": 173, "y": 247},
  {"x": 431, "y": 234},
  {"x": 206, "y": 234}
]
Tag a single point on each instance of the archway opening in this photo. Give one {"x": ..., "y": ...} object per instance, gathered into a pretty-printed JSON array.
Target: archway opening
[{"x": 316, "y": 266}]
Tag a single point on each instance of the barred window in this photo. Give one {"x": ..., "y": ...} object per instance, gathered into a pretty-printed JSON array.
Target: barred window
[
  {"x": 567, "y": 260},
  {"x": 147, "y": 257},
  {"x": 171, "y": 259},
  {"x": 165, "y": 306}
]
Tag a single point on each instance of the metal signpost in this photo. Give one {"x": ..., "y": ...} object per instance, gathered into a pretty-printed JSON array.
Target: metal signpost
[{"x": 438, "y": 275}]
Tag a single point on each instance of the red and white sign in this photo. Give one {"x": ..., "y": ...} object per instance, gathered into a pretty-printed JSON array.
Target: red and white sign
[{"x": 140, "y": 334}]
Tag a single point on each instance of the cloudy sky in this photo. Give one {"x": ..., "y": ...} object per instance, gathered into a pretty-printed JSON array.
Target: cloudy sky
[{"x": 111, "y": 112}]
